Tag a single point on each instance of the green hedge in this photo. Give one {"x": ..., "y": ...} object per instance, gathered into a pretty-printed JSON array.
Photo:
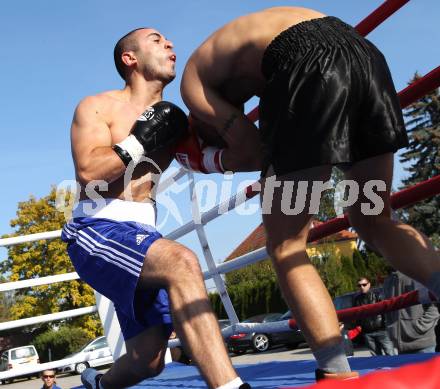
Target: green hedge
[
  {"x": 254, "y": 289},
  {"x": 250, "y": 300},
  {"x": 61, "y": 342}
]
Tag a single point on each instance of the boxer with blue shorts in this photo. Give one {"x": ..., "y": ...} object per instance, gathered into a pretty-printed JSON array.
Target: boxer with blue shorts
[
  {"x": 108, "y": 254},
  {"x": 122, "y": 140}
]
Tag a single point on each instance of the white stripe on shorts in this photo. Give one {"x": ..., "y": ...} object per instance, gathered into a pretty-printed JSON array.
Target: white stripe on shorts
[
  {"x": 109, "y": 251},
  {"x": 124, "y": 257},
  {"x": 104, "y": 252},
  {"x": 105, "y": 258},
  {"x": 117, "y": 243}
]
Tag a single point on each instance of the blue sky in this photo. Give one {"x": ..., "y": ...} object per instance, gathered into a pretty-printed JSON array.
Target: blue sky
[{"x": 56, "y": 53}]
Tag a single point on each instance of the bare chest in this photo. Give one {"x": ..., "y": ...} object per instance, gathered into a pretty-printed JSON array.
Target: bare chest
[{"x": 120, "y": 122}]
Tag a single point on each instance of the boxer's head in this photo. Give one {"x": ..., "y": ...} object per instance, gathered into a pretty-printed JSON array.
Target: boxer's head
[{"x": 146, "y": 51}]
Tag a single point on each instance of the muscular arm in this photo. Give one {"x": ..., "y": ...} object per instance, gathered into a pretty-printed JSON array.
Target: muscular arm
[
  {"x": 243, "y": 150},
  {"x": 91, "y": 144}
]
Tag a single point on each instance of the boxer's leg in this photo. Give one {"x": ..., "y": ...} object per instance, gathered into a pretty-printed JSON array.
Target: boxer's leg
[
  {"x": 300, "y": 283},
  {"x": 407, "y": 249}
]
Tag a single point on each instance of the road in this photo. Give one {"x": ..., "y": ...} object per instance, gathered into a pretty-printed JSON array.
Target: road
[{"x": 277, "y": 354}]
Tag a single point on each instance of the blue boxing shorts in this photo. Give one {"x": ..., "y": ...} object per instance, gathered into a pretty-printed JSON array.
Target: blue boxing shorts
[{"x": 107, "y": 244}]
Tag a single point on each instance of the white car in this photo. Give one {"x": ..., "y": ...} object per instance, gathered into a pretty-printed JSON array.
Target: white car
[
  {"x": 18, "y": 358},
  {"x": 93, "y": 354}
]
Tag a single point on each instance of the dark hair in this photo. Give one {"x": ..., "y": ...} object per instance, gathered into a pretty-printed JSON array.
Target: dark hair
[
  {"x": 52, "y": 370},
  {"x": 126, "y": 43},
  {"x": 363, "y": 278}
]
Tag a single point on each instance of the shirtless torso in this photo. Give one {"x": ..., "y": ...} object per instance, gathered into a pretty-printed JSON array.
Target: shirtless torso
[
  {"x": 225, "y": 72},
  {"x": 231, "y": 57},
  {"x": 110, "y": 116}
]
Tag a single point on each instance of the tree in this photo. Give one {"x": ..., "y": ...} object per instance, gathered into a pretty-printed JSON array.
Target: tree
[
  {"x": 350, "y": 273},
  {"x": 377, "y": 267},
  {"x": 423, "y": 124},
  {"x": 45, "y": 258},
  {"x": 60, "y": 342},
  {"x": 253, "y": 290},
  {"x": 336, "y": 271},
  {"x": 6, "y": 301},
  {"x": 252, "y": 274},
  {"x": 359, "y": 264}
]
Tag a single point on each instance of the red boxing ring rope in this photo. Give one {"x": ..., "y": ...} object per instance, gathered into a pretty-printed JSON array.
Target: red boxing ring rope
[
  {"x": 379, "y": 15},
  {"x": 420, "y": 88},
  {"x": 393, "y": 304},
  {"x": 400, "y": 199}
]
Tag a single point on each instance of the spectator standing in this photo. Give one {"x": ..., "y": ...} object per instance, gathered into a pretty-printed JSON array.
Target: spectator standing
[
  {"x": 373, "y": 328},
  {"x": 412, "y": 329}
]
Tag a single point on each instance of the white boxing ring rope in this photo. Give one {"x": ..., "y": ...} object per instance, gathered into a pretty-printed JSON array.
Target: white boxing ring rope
[
  {"x": 197, "y": 223},
  {"x": 201, "y": 234}
]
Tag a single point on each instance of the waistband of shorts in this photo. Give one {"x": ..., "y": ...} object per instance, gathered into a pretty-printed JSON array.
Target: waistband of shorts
[
  {"x": 299, "y": 38},
  {"x": 116, "y": 209}
]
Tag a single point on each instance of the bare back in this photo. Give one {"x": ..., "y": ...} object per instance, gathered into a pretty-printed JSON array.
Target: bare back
[
  {"x": 100, "y": 122},
  {"x": 225, "y": 72},
  {"x": 230, "y": 59}
]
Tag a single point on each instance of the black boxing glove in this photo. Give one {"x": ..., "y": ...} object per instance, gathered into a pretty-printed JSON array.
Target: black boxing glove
[{"x": 161, "y": 125}]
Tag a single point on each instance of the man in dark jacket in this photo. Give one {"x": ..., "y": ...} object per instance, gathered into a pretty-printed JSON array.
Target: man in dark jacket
[
  {"x": 373, "y": 328},
  {"x": 412, "y": 329}
]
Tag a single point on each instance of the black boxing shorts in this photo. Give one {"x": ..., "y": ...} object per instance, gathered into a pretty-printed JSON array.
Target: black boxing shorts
[{"x": 329, "y": 99}]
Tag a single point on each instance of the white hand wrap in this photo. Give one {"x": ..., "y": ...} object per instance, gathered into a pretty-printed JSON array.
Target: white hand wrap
[
  {"x": 133, "y": 147},
  {"x": 212, "y": 160}
]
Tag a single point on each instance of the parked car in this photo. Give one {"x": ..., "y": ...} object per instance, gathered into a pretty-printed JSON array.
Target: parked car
[
  {"x": 95, "y": 353},
  {"x": 223, "y": 323},
  {"x": 18, "y": 357},
  {"x": 295, "y": 337},
  {"x": 179, "y": 355},
  {"x": 261, "y": 341}
]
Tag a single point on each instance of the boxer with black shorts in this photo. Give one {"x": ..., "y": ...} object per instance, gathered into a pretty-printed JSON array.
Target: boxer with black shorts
[
  {"x": 326, "y": 99},
  {"x": 121, "y": 140},
  {"x": 334, "y": 89}
]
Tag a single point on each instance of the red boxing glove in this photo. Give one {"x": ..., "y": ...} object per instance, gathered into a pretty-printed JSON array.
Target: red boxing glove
[
  {"x": 193, "y": 155},
  {"x": 354, "y": 332}
]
